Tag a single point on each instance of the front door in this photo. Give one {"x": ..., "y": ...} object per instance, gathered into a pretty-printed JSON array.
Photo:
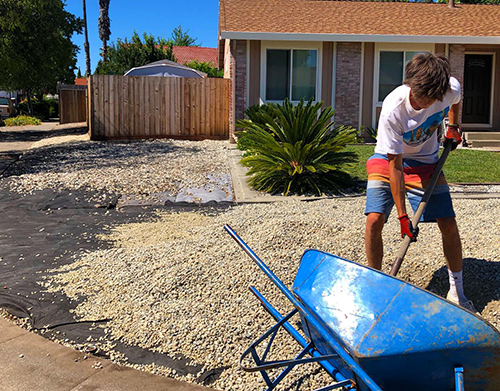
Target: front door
[{"x": 477, "y": 89}]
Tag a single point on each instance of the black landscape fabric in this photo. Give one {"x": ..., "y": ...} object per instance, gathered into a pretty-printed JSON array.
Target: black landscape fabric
[{"x": 43, "y": 231}]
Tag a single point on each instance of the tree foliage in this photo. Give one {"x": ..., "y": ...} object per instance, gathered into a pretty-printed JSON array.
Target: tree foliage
[
  {"x": 35, "y": 44},
  {"x": 127, "y": 54},
  {"x": 182, "y": 38},
  {"x": 293, "y": 149},
  {"x": 207, "y": 68}
]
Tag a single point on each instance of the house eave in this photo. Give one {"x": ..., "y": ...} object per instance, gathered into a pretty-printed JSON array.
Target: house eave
[{"x": 449, "y": 39}]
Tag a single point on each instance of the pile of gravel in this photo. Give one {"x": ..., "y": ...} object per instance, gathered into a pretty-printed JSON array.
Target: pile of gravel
[
  {"x": 140, "y": 169},
  {"x": 177, "y": 283}
]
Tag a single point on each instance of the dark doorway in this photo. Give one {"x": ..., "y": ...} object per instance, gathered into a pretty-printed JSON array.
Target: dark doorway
[{"x": 477, "y": 88}]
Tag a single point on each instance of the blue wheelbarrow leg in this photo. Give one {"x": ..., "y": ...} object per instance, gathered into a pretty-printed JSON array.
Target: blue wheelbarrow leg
[
  {"x": 459, "y": 379},
  {"x": 361, "y": 377},
  {"x": 307, "y": 349}
]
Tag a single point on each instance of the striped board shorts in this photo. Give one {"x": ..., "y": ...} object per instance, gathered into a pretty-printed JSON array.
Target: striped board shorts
[{"x": 417, "y": 176}]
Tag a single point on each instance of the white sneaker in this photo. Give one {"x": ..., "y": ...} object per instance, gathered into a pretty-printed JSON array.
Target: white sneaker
[{"x": 467, "y": 304}]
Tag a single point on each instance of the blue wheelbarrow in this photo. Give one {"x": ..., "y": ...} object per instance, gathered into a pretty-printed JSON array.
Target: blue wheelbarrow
[{"x": 372, "y": 331}]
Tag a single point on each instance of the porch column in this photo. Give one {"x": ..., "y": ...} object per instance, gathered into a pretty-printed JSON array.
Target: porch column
[
  {"x": 348, "y": 83},
  {"x": 457, "y": 63}
]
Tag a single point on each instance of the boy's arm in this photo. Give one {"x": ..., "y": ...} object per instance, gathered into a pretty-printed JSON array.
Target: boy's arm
[
  {"x": 453, "y": 131},
  {"x": 397, "y": 182},
  {"x": 453, "y": 114}
]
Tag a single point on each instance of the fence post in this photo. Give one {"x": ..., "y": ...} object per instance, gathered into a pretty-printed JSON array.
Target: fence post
[{"x": 90, "y": 106}]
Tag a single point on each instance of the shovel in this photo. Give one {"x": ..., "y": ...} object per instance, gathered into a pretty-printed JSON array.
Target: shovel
[{"x": 421, "y": 207}]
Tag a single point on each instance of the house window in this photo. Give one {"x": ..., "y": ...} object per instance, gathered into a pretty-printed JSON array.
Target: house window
[
  {"x": 291, "y": 73},
  {"x": 392, "y": 69}
]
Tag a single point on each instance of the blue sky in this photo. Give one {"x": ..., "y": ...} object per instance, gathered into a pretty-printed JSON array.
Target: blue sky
[{"x": 156, "y": 17}]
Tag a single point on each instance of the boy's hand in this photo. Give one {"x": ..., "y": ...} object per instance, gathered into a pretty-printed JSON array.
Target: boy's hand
[
  {"x": 407, "y": 228},
  {"x": 453, "y": 136}
]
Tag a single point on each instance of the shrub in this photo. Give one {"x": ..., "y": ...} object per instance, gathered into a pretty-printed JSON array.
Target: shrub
[
  {"x": 2, "y": 123},
  {"x": 296, "y": 149},
  {"x": 370, "y": 131},
  {"x": 44, "y": 109},
  {"x": 22, "y": 120},
  {"x": 207, "y": 68}
]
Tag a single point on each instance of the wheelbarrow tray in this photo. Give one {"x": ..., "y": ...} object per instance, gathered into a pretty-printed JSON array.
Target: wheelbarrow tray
[{"x": 404, "y": 337}]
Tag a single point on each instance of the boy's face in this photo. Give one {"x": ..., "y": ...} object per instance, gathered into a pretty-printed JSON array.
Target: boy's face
[{"x": 419, "y": 103}]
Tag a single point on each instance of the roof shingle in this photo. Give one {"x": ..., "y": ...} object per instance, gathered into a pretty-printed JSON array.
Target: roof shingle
[
  {"x": 358, "y": 17},
  {"x": 186, "y": 54}
]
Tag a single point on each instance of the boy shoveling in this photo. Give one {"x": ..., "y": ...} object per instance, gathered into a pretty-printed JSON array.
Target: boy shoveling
[{"x": 405, "y": 156}]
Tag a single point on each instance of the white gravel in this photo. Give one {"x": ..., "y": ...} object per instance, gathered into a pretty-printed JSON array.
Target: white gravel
[
  {"x": 179, "y": 284},
  {"x": 141, "y": 169}
]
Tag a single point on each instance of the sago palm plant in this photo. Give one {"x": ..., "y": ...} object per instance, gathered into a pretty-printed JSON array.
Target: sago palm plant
[
  {"x": 254, "y": 114},
  {"x": 296, "y": 149}
]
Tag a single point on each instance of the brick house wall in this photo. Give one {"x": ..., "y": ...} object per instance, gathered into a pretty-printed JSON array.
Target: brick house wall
[
  {"x": 235, "y": 69},
  {"x": 241, "y": 79},
  {"x": 348, "y": 83},
  {"x": 457, "y": 63},
  {"x": 229, "y": 71}
]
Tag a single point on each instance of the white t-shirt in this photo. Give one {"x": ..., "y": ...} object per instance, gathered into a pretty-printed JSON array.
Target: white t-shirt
[{"x": 413, "y": 133}]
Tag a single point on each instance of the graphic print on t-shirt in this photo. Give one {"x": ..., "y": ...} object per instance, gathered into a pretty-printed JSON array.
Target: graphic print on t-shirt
[{"x": 424, "y": 131}]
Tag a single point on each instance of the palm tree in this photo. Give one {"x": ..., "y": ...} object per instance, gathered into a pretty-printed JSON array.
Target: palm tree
[
  {"x": 86, "y": 44},
  {"x": 104, "y": 30}
]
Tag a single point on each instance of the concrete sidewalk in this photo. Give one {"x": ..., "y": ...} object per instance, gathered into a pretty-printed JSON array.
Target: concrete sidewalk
[
  {"x": 17, "y": 139},
  {"x": 31, "y": 362}
]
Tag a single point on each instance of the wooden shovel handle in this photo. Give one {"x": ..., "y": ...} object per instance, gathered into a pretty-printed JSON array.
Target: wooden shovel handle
[{"x": 420, "y": 210}]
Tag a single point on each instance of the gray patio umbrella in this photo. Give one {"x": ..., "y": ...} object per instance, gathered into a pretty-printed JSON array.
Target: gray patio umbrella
[{"x": 165, "y": 68}]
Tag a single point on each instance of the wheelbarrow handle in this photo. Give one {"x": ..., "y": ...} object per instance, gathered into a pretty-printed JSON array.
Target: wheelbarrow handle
[
  {"x": 420, "y": 210},
  {"x": 339, "y": 349}
]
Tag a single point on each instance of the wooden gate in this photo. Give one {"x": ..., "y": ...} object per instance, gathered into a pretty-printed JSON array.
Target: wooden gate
[
  {"x": 134, "y": 107},
  {"x": 72, "y": 103}
]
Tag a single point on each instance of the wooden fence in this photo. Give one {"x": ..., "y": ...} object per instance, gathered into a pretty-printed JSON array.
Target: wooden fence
[
  {"x": 72, "y": 104},
  {"x": 132, "y": 107}
]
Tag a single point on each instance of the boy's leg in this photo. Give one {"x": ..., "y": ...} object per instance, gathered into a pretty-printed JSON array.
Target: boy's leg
[
  {"x": 373, "y": 239},
  {"x": 452, "y": 245},
  {"x": 379, "y": 203}
]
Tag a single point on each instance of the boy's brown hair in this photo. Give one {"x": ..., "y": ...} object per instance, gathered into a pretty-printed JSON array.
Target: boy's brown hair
[{"x": 428, "y": 76}]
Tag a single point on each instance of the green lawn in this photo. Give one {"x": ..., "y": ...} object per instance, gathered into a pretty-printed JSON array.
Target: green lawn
[{"x": 462, "y": 165}]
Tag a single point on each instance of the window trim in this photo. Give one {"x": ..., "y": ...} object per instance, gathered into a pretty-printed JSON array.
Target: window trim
[
  {"x": 393, "y": 47},
  {"x": 289, "y": 46}
]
